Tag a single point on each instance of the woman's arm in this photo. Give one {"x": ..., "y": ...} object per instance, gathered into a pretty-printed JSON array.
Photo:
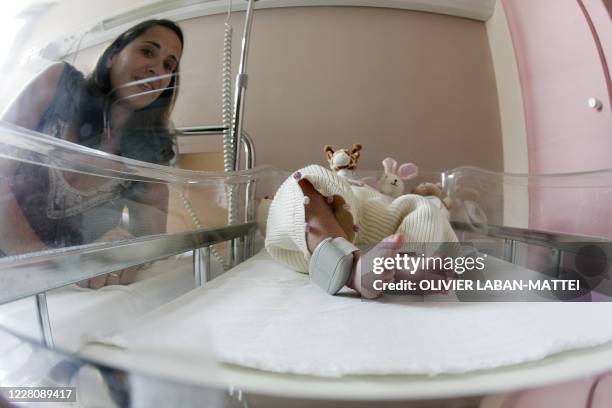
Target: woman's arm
[
  {"x": 148, "y": 210},
  {"x": 16, "y": 234}
]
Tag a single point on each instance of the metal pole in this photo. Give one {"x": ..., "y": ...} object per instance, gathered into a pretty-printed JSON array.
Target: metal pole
[
  {"x": 241, "y": 85},
  {"x": 201, "y": 265},
  {"x": 249, "y": 211},
  {"x": 556, "y": 257},
  {"x": 236, "y": 132},
  {"x": 510, "y": 250},
  {"x": 44, "y": 320}
]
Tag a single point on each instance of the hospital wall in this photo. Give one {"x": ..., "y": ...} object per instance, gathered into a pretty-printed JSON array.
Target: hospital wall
[{"x": 416, "y": 86}]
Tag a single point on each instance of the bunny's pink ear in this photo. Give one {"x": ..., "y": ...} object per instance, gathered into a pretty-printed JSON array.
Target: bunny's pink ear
[
  {"x": 407, "y": 171},
  {"x": 389, "y": 165}
]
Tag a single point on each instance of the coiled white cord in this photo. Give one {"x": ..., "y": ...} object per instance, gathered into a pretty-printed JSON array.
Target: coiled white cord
[
  {"x": 226, "y": 94},
  {"x": 196, "y": 220},
  {"x": 229, "y": 147}
]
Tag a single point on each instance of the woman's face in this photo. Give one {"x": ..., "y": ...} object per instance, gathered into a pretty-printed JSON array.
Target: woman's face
[{"x": 142, "y": 70}]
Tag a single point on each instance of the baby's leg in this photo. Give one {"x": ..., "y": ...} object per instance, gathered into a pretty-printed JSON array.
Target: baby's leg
[
  {"x": 423, "y": 273},
  {"x": 322, "y": 224},
  {"x": 431, "y": 239},
  {"x": 310, "y": 206},
  {"x": 300, "y": 204}
]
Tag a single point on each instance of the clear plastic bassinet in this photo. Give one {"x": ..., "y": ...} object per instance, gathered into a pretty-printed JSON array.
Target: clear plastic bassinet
[
  {"x": 47, "y": 318},
  {"x": 53, "y": 306}
]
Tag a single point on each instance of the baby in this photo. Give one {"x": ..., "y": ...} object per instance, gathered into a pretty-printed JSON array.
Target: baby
[{"x": 315, "y": 204}]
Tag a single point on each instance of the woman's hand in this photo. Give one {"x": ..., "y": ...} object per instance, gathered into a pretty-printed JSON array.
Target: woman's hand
[
  {"x": 116, "y": 234},
  {"x": 121, "y": 277}
]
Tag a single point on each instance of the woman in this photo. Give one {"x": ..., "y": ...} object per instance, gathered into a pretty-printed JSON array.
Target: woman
[{"x": 122, "y": 108}]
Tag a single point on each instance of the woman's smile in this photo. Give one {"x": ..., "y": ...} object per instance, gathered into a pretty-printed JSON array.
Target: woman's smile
[{"x": 145, "y": 84}]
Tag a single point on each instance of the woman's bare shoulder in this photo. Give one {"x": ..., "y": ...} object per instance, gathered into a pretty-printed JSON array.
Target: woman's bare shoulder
[
  {"x": 31, "y": 103},
  {"x": 44, "y": 85},
  {"x": 52, "y": 73}
]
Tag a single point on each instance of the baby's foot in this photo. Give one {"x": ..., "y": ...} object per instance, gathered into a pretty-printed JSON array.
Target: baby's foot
[
  {"x": 422, "y": 273},
  {"x": 362, "y": 278}
]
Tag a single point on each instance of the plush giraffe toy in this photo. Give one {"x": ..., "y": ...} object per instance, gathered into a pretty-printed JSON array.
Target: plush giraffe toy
[{"x": 344, "y": 161}]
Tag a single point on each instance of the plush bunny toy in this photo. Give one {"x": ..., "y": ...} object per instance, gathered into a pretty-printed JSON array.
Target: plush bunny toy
[{"x": 391, "y": 182}]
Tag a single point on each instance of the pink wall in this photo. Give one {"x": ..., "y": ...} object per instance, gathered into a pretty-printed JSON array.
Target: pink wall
[{"x": 562, "y": 63}]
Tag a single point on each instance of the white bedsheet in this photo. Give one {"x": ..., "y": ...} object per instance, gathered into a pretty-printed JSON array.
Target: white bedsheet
[
  {"x": 266, "y": 316},
  {"x": 77, "y": 313}
]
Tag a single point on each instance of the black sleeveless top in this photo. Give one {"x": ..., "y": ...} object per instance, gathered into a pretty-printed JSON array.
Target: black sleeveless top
[{"x": 60, "y": 214}]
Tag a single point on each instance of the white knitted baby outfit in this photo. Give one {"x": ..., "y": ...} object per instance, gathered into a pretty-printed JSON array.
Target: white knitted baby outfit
[{"x": 365, "y": 215}]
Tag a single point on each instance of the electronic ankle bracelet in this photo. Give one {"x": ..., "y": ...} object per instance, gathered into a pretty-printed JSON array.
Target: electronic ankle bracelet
[{"x": 331, "y": 264}]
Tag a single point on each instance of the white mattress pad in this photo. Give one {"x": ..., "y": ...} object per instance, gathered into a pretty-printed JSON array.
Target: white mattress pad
[
  {"x": 79, "y": 313},
  {"x": 265, "y": 316}
]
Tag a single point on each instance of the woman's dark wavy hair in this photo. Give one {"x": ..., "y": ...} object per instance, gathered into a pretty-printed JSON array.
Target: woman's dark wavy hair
[{"x": 146, "y": 134}]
